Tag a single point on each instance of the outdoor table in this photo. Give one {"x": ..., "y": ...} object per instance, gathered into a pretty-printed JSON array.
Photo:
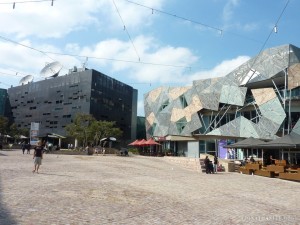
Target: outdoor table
[{"x": 289, "y": 170}]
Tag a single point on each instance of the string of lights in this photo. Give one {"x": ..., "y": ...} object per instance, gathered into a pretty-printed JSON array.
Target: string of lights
[
  {"x": 219, "y": 30},
  {"x": 22, "y": 2},
  {"x": 46, "y": 53},
  {"x": 273, "y": 30},
  {"x": 26, "y": 46},
  {"x": 126, "y": 30}
]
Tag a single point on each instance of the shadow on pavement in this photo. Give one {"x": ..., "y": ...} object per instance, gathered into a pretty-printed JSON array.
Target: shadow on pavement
[
  {"x": 5, "y": 216},
  {"x": 53, "y": 174}
]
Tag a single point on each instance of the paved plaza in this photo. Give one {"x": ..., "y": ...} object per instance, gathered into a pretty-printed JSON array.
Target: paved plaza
[{"x": 136, "y": 190}]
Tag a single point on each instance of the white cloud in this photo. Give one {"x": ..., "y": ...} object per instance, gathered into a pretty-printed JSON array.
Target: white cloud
[
  {"x": 42, "y": 20},
  {"x": 228, "y": 9},
  {"x": 231, "y": 23},
  {"x": 163, "y": 64},
  {"x": 221, "y": 69},
  {"x": 18, "y": 59}
]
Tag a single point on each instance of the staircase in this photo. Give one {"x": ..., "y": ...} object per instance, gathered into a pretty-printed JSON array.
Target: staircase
[{"x": 202, "y": 166}]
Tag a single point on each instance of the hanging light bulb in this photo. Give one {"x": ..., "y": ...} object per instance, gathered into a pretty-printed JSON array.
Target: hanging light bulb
[
  {"x": 14, "y": 5},
  {"x": 52, "y": 3},
  {"x": 275, "y": 29}
]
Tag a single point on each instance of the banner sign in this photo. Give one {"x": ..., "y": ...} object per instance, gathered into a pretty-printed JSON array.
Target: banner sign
[{"x": 34, "y": 132}]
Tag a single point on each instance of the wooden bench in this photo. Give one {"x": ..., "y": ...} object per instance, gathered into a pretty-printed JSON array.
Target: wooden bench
[
  {"x": 253, "y": 166},
  {"x": 276, "y": 168},
  {"x": 264, "y": 173},
  {"x": 244, "y": 170},
  {"x": 280, "y": 162},
  {"x": 290, "y": 176},
  {"x": 290, "y": 170}
]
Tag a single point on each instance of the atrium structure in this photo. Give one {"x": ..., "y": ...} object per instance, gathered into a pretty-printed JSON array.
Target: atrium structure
[{"x": 258, "y": 99}]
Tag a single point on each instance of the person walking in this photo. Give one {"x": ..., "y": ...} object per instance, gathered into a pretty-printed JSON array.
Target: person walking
[
  {"x": 38, "y": 156},
  {"x": 28, "y": 146},
  {"x": 23, "y": 148},
  {"x": 206, "y": 163},
  {"x": 216, "y": 162}
]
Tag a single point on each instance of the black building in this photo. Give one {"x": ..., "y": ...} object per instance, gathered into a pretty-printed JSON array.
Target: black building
[
  {"x": 4, "y": 104},
  {"x": 54, "y": 102}
]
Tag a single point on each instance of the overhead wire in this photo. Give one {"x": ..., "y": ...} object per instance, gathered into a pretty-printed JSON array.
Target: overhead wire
[
  {"x": 29, "y": 1},
  {"x": 126, "y": 30},
  {"x": 267, "y": 39},
  {"x": 220, "y": 30},
  {"x": 26, "y": 46},
  {"x": 129, "y": 61},
  {"x": 13, "y": 3},
  {"x": 90, "y": 57}
]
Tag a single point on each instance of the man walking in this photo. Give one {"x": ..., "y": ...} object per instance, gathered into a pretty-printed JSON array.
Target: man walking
[
  {"x": 216, "y": 164},
  {"x": 38, "y": 156}
]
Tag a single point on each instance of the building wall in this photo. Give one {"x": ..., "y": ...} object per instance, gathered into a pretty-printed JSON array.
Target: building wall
[
  {"x": 193, "y": 149},
  {"x": 141, "y": 131},
  {"x": 245, "y": 103},
  {"x": 54, "y": 102},
  {"x": 259, "y": 99},
  {"x": 5, "y": 109}
]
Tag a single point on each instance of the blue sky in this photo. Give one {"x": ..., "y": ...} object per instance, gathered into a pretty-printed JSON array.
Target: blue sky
[{"x": 206, "y": 38}]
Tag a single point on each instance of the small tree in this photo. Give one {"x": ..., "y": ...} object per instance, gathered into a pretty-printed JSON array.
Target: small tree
[
  {"x": 80, "y": 128},
  {"x": 3, "y": 124},
  {"x": 86, "y": 128},
  {"x": 103, "y": 129}
]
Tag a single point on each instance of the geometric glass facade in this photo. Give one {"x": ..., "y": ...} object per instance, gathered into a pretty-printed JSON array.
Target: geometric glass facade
[{"x": 258, "y": 99}]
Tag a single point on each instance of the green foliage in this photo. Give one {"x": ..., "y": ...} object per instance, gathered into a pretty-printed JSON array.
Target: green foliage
[
  {"x": 86, "y": 129},
  {"x": 134, "y": 151},
  {"x": 3, "y": 124},
  {"x": 12, "y": 130}
]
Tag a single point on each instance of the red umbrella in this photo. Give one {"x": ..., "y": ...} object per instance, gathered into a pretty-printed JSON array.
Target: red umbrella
[
  {"x": 151, "y": 142},
  {"x": 136, "y": 142},
  {"x": 142, "y": 142}
]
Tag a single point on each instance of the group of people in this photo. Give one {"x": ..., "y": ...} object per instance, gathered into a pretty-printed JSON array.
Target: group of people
[
  {"x": 26, "y": 146},
  {"x": 211, "y": 167},
  {"x": 230, "y": 154},
  {"x": 97, "y": 150}
]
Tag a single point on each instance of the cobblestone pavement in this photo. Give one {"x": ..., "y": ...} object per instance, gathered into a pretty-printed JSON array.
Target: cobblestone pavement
[{"x": 137, "y": 190}]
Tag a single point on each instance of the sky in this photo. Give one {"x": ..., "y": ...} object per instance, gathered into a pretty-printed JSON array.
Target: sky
[{"x": 143, "y": 43}]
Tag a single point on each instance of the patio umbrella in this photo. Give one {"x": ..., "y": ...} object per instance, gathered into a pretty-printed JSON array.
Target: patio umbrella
[
  {"x": 142, "y": 142},
  {"x": 23, "y": 137},
  {"x": 134, "y": 143},
  {"x": 108, "y": 139},
  {"x": 151, "y": 142}
]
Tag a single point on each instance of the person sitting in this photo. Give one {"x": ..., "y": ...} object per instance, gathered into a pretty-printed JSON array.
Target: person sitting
[
  {"x": 252, "y": 159},
  {"x": 271, "y": 160},
  {"x": 96, "y": 150},
  {"x": 244, "y": 162}
]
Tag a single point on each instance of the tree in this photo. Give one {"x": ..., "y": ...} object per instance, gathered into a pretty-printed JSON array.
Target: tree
[
  {"x": 86, "y": 129},
  {"x": 3, "y": 125},
  {"x": 16, "y": 132},
  {"x": 80, "y": 128},
  {"x": 103, "y": 129}
]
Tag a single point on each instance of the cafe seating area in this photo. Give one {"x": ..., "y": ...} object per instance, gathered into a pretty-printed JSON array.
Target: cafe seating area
[{"x": 279, "y": 169}]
